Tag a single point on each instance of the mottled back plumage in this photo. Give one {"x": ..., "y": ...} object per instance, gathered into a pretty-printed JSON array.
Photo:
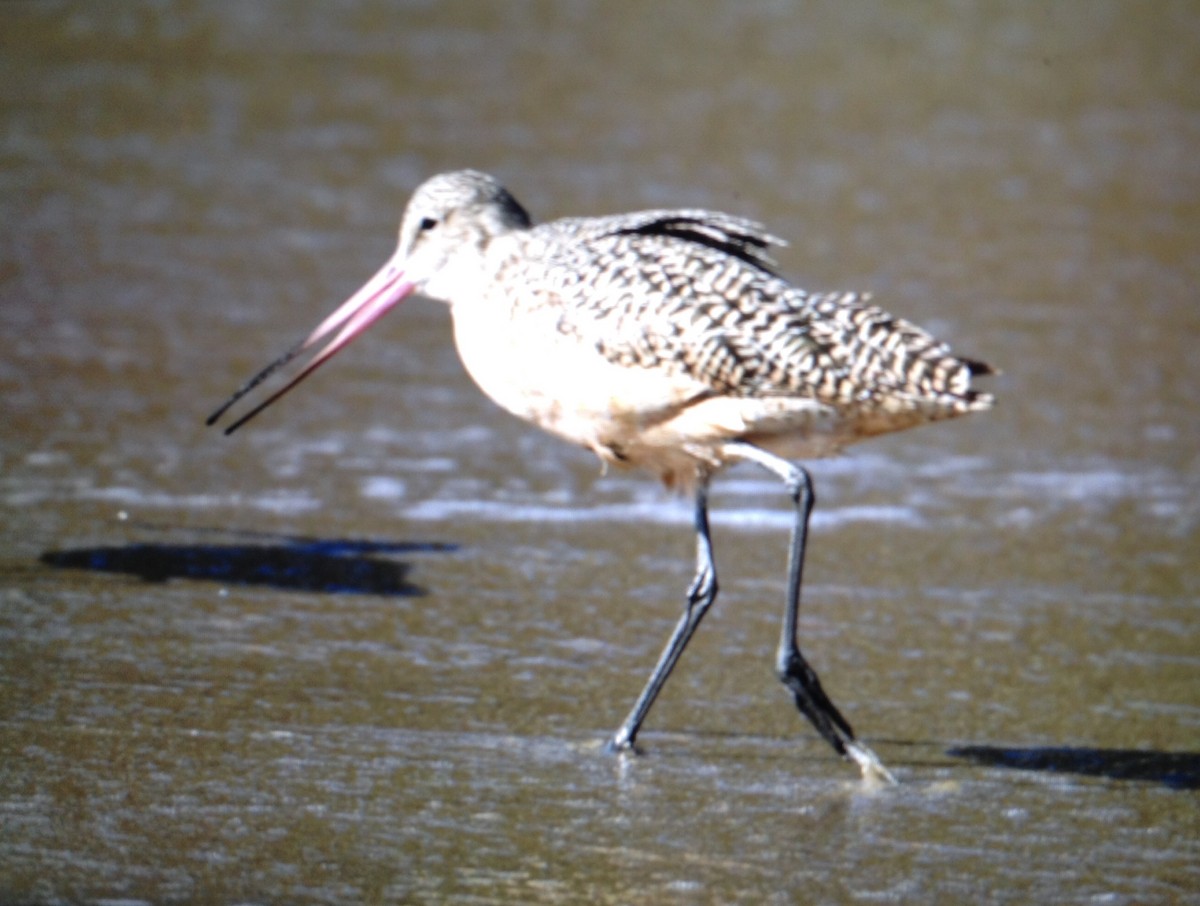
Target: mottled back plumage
[
  {"x": 696, "y": 291},
  {"x": 690, "y": 297}
]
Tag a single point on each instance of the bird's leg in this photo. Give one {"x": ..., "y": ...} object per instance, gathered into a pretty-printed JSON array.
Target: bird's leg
[
  {"x": 700, "y": 596},
  {"x": 793, "y": 670}
]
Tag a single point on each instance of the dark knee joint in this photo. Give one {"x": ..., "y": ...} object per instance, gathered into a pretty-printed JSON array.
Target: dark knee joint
[
  {"x": 790, "y": 665},
  {"x": 703, "y": 592},
  {"x": 800, "y": 486}
]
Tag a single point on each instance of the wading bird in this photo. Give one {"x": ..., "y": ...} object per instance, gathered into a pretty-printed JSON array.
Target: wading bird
[{"x": 661, "y": 340}]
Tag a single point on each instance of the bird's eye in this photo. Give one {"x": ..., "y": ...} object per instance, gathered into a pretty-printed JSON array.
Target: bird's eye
[{"x": 427, "y": 223}]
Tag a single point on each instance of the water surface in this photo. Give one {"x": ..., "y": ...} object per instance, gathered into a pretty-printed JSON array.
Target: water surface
[{"x": 367, "y": 649}]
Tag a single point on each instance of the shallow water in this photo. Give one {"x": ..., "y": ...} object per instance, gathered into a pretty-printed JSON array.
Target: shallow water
[{"x": 368, "y": 649}]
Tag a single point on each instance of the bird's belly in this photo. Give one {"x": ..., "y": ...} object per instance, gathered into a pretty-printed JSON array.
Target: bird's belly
[
  {"x": 564, "y": 387},
  {"x": 653, "y": 418}
]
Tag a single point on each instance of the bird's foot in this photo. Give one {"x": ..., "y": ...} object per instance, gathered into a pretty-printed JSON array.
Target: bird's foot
[
  {"x": 621, "y": 745},
  {"x": 814, "y": 704},
  {"x": 873, "y": 770}
]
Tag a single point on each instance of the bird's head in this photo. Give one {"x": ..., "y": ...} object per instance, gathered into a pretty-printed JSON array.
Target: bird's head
[
  {"x": 449, "y": 218},
  {"x": 452, "y": 216}
]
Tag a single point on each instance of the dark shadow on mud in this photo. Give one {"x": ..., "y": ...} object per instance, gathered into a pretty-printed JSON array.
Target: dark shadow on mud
[
  {"x": 329, "y": 566},
  {"x": 1178, "y": 770}
]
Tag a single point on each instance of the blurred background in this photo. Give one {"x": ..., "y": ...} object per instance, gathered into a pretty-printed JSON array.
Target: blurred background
[{"x": 366, "y": 649}]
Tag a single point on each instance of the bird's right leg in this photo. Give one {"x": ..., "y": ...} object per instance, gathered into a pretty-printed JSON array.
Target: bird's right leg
[
  {"x": 794, "y": 670},
  {"x": 701, "y": 594}
]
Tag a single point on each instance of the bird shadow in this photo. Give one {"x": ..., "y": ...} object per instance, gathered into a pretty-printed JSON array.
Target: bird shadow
[
  {"x": 1176, "y": 770},
  {"x": 325, "y": 565}
]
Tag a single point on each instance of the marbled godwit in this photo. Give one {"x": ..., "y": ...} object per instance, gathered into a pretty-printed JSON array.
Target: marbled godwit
[{"x": 661, "y": 340}]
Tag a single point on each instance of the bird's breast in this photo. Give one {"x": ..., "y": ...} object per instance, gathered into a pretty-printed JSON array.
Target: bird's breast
[{"x": 557, "y": 380}]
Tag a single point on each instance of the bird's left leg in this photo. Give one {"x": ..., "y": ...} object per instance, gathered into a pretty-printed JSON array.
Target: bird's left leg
[
  {"x": 793, "y": 670},
  {"x": 700, "y": 596}
]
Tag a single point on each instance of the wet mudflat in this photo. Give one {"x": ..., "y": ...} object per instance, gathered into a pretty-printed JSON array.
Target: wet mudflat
[{"x": 368, "y": 649}]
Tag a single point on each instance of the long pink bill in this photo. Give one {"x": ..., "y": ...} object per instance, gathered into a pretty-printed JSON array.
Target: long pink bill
[{"x": 383, "y": 291}]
